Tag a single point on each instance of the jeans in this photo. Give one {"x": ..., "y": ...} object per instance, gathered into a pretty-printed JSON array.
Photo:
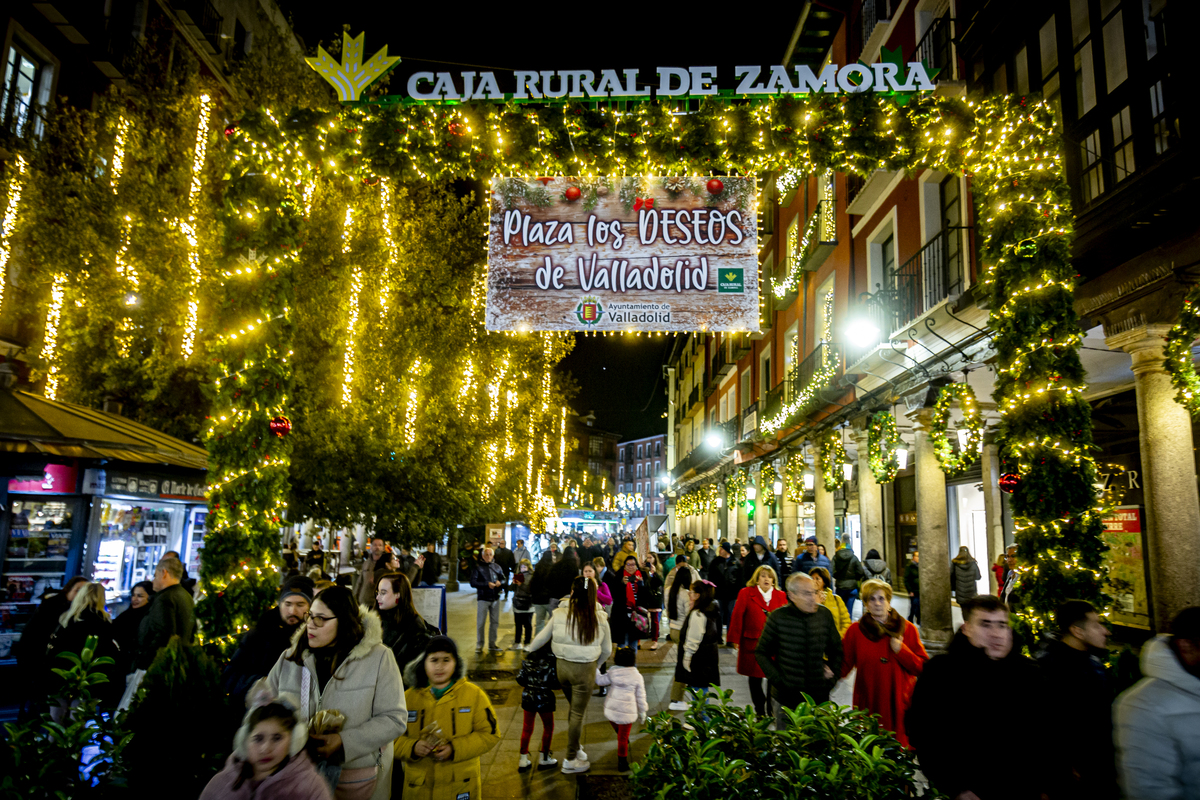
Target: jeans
[
  {"x": 848, "y": 596},
  {"x": 524, "y": 620},
  {"x": 541, "y": 614},
  {"x": 914, "y": 609},
  {"x": 483, "y": 610},
  {"x": 727, "y": 610},
  {"x": 578, "y": 681}
]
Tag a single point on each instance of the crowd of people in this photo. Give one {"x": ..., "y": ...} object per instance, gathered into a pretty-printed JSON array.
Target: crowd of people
[{"x": 349, "y": 693}]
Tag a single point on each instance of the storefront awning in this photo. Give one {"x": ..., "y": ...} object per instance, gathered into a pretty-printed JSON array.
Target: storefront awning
[{"x": 31, "y": 424}]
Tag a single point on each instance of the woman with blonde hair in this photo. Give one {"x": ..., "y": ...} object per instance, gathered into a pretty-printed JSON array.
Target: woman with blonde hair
[
  {"x": 889, "y": 656},
  {"x": 828, "y": 598},
  {"x": 86, "y": 616},
  {"x": 761, "y": 596}
]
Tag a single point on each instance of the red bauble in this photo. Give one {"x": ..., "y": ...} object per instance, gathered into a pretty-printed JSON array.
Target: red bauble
[
  {"x": 280, "y": 426},
  {"x": 1009, "y": 482},
  {"x": 572, "y": 193},
  {"x": 457, "y": 128},
  {"x": 230, "y": 128},
  {"x": 715, "y": 186}
]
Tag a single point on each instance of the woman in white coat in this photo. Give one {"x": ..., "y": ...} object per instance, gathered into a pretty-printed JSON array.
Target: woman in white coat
[{"x": 338, "y": 661}]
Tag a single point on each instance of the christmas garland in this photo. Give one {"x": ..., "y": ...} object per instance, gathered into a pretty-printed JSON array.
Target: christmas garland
[
  {"x": 698, "y": 501},
  {"x": 833, "y": 456},
  {"x": 766, "y": 481},
  {"x": 882, "y": 440},
  {"x": 964, "y": 395},
  {"x": 1179, "y": 362},
  {"x": 735, "y": 488},
  {"x": 793, "y": 481}
]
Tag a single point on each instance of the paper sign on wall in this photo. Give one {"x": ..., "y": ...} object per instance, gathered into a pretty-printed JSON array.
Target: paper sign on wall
[{"x": 623, "y": 254}]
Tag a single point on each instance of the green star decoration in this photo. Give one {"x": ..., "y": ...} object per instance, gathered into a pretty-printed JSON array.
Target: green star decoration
[{"x": 352, "y": 77}]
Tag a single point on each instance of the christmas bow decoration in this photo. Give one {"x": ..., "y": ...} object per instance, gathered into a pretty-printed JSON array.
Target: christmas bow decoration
[{"x": 639, "y": 203}]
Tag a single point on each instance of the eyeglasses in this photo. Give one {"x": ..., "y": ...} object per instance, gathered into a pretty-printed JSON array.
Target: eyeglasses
[{"x": 317, "y": 620}]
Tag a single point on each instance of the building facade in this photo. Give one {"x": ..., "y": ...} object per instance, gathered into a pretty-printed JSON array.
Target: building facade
[
  {"x": 640, "y": 470},
  {"x": 889, "y": 307}
]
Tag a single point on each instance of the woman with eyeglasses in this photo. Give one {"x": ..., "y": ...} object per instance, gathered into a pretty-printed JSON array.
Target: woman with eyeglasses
[{"x": 339, "y": 662}]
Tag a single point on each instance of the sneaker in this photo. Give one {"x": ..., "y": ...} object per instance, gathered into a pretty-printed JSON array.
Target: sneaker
[
  {"x": 654, "y": 646},
  {"x": 678, "y": 705},
  {"x": 478, "y": 650},
  {"x": 495, "y": 649},
  {"x": 575, "y": 765},
  {"x": 580, "y": 755},
  {"x": 622, "y": 764},
  {"x": 517, "y": 646},
  {"x": 524, "y": 763},
  {"x": 602, "y": 691},
  {"x": 547, "y": 761}
]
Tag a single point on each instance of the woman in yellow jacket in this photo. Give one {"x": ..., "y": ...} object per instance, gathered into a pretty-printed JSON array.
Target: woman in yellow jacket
[
  {"x": 830, "y": 600},
  {"x": 450, "y": 725}
]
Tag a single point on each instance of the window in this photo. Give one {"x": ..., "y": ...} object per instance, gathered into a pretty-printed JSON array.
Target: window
[
  {"x": 594, "y": 467},
  {"x": 658, "y": 448},
  {"x": 657, "y": 467},
  {"x": 793, "y": 241},
  {"x": 1022, "y": 71},
  {"x": 26, "y": 89},
  {"x": 639, "y": 455},
  {"x": 639, "y": 470},
  {"x": 1048, "y": 45},
  {"x": 1115, "y": 68},
  {"x": 1166, "y": 130},
  {"x": 745, "y": 389},
  {"x": 595, "y": 446},
  {"x": 639, "y": 488},
  {"x": 1092, "y": 184},
  {"x": 712, "y": 418},
  {"x": 1152, "y": 24},
  {"x": 1085, "y": 67},
  {"x": 766, "y": 380},
  {"x": 657, "y": 507},
  {"x": 242, "y": 39},
  {"x": 1123, "y": 164}
]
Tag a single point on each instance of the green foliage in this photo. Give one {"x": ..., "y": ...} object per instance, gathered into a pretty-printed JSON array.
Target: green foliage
[
  {"x": 826, "y": 752},
  {"x": 44, "y": 758},
  {"x": 179, "y": 694},
  {"x": 1178, "y": 352},
  {"x": 882, "y": 440}
]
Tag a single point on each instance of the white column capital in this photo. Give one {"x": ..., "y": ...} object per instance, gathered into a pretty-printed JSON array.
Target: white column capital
[
  {"x": 1145, "y": 343},
  {"x": 923, "y": 418}
]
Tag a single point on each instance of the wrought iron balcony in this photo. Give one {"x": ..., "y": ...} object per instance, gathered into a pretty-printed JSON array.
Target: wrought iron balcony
[
  {"x": 750, "y": 420},
  {"x": 202, "y": 17},
  {"x": 693, "y": 403},
  {"x": 740, "y": 344},
  {"x": 774, "y": 402},
  {"x": 804, "y": 382}
]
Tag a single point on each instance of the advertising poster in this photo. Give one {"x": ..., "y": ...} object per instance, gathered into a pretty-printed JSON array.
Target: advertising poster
[
  {"x": 623, "y": 254},
  {"x": 1127, "y": 566}
]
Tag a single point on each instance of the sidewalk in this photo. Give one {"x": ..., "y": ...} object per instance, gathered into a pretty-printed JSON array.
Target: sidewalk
[{"x": 496, "y": 673}]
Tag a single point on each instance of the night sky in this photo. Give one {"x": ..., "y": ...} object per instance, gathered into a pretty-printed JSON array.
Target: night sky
[{"x": 620, "y": 376}]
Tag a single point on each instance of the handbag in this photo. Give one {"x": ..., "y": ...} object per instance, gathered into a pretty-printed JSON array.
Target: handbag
[{"x": 640, "y": 618}]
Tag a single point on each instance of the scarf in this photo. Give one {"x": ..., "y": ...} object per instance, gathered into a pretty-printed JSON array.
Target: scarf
[
  {"x": 767, "y": 594},
  {"x": 874, "y": 631},
  {"x": 631, "y": 589}
]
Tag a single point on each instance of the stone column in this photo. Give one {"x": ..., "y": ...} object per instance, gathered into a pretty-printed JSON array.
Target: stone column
[
  {"x": 824, "y": 512},
  {"x": 991, "y": 502},
  {"x": 870, "y": 498},
  {"x": 1168, "y": 477},
  {"x": 789, "y": 516},
  {"x": 932, "y": 539}
]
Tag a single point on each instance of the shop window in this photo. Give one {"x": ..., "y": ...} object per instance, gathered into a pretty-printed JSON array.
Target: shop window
[
  {"x": 1123, "y": 165},
  {"x": 1166, "y": 130},
  {"x": 133, "y": 538},
  {"x": 1092, "y": 185},
  {"x": 595, "y": 446}
]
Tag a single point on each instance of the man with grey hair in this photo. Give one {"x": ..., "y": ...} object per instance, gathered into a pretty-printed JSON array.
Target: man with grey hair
[
  {"x": 171, "y": 614},
  {"x": 800, "y": 649},
  {"x": 488, "y": 580}
]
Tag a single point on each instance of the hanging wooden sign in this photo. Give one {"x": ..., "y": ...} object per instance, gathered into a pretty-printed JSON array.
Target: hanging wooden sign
[{"x": 623, "y": 254}]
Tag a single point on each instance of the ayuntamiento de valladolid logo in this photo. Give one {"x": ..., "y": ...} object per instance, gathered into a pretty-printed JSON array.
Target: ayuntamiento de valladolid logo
[{"x": 589, "y": 311}]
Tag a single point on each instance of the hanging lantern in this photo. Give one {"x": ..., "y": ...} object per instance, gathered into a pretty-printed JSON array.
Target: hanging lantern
[
  {"x": 280, "y": 426},
  {"x": 902, "y": 457},
  {"x": 1009, "y": 482}
]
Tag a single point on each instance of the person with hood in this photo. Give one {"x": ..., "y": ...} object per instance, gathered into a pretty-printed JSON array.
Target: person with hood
[
  {"x": 581, "y": 641},
  {"x": 966, "y": 572},
  {"x": 268, "y": 760},
  {"x": 811, "y": 557},
  {"x": 760, "y": 556},
  {"x": 85, "y": 617},
  {"x": 697, "y": 666},
  {"x": 980, "y": 661},
  {"x": 888, "y": 654},
  {"x": 338, "y": 661},
  {"x": 562, "y": 576},
  {"x": 451, "y": 725},
  {"x": 626, "y": 703},
  {"x": 1079, "y": 682},
  {"x": 754, "y": 603},
  {"x": 799, "y": 649},
  {"x": 876, "y": 569},
  {"x": 1157, "y": 721},
  {"x": 847, "y": 573},
  {"x": 725, "y": 571},
  {"x": 405, "y": 631},
  {"x": 126, "y": 624},
  {"x": 270, "y": 636}
]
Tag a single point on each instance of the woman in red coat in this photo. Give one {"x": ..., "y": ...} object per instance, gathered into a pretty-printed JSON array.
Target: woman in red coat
[
  {"x": 889, "y": 656},
  {"x": 760, "y": 597}
]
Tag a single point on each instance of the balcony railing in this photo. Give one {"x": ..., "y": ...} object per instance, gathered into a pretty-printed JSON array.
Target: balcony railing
[
  {"x": 693, "y": 401},
  {"x": 740, "y": 344},
  {"x": 774, "y": 401},
  {"x": 802, "y": 386},
  {"x": 204, "y": 18},
  {"x": 936, "y": 48}
]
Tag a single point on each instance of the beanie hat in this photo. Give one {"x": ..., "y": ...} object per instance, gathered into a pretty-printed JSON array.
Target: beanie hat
[
  {"x": 727, "y": 548},
  {"x": 298, "y": 584}
]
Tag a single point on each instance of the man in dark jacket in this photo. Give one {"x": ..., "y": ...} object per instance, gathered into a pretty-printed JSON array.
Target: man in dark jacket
[
  {"x": 847, "y": 572},
  {"x": 799, "y": 649},
  {"x": 760, "y": 555},
  {"x": 725, "y": 573},
  {"x": 1083, "y": 702},
  {"x": 811, "y": 557},
  {"x": 488, "y": 580},
  {"x": 784, "y": 558},
  {"x": 508, "y": 563},
  {"x": 981, "y": 662},
  {"x": 374, "y": 564},
  {"x": 431, "y": 570},
  {"x": 262, "y": 645},
  {"x": 706, "y": 557},
  {"x": 171, "y": 613},
  {"x": 912, "y": 582}
]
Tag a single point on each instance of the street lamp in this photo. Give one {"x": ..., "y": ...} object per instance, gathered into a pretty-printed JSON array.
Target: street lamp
[
  {"x": 778, "y": 487},
  {"x": 862, "y": 333},
  {"x": 714, "y": 440},
  {"x": 847, "y": 470},
  {"x": 902, "y": 457},
  {"x": 751, "y": 492},
  {"x": 810, "y": 479}
]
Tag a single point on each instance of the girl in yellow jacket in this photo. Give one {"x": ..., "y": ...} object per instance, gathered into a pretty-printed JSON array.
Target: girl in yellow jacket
[{"x": 450, "y": 725}]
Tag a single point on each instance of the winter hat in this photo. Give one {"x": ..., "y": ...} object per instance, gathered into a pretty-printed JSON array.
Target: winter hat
[
  {"x": 442, "y": 644},
  {"x": 727, "y": 547},
  {"x": 300, "y": 585},
  {"x": 812, "y": 539}
]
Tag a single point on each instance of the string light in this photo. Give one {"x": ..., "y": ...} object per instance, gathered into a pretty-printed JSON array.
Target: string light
[
  {"x": 189, "y": 228},
  {"x": 356, "y": 279},
  {"x": 410, "y": 416},
  {"x": 12, "y": 192},
  {"x": 53, "y": 315}
]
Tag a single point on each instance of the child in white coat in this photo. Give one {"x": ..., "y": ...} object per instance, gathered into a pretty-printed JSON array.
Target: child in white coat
[{"x": 626, "y": 703}]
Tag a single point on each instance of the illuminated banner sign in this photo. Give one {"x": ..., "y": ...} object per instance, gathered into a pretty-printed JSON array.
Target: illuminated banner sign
[{"x": 623, "y": 254}]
